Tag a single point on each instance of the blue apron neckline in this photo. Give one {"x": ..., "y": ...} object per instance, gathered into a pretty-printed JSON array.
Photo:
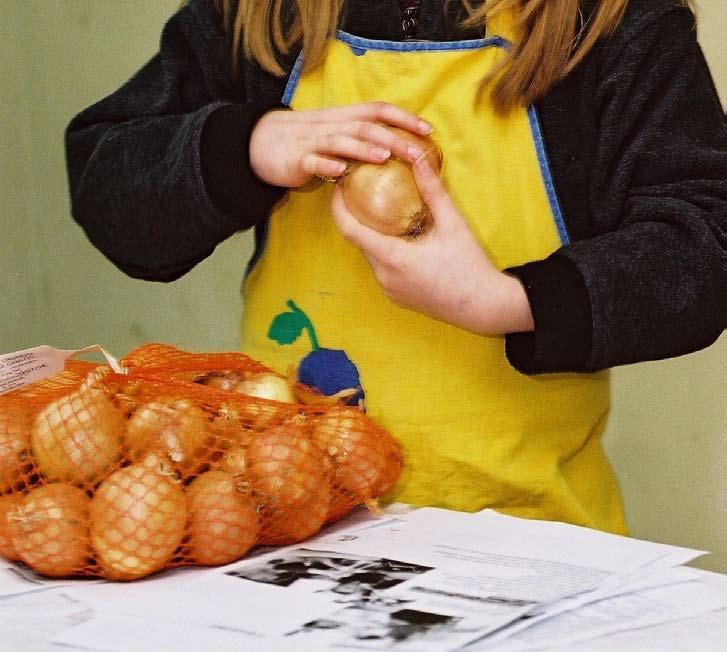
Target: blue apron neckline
[{"x": 361, "y": 45}]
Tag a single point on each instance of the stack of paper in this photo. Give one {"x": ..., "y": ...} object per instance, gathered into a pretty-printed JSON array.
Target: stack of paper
[{"x": 416, "y": 581}]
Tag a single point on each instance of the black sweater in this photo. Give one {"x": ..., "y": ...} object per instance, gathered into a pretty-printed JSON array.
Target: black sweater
[{"x": 637, "y": 141}]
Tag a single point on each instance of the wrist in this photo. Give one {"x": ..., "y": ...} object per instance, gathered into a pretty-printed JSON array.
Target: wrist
[
  {"x": 495, "y": 305},
  {"x": 517, "y": 316},
  {"x": 260, "y": 145},
  {"x": 502, "y": 308}
]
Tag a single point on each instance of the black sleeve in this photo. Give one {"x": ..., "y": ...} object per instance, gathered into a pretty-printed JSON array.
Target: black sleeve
[
  {"x": 159, "y": 172},
  {"x": 651, "y": 281}
]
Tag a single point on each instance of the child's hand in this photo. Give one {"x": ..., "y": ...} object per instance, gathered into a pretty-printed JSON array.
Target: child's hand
[
  {"x": 288, "y": 148},
  {"x": 445, "y": 273}
]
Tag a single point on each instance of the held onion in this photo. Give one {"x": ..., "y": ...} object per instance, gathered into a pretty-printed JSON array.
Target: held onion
[
  {"x": 385, "y": 196},
  {"x": 50, "y": 530},
  {"x": 138, "y": 517},
  {"x": 77, "y": 439},
  {"x": 223, "y": 518}
]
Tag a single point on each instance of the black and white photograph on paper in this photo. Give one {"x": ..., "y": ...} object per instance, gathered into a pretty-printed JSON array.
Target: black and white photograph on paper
[
  {"x": 376, "y": 626},
  {"x": 352, "y": 578}
]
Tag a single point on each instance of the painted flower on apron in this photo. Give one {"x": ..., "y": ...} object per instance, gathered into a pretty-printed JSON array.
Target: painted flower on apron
[{"x": 330, "y": 371}]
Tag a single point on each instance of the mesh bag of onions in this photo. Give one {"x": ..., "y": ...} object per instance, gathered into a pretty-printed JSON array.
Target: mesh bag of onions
[{"x": 185, "y": 459}]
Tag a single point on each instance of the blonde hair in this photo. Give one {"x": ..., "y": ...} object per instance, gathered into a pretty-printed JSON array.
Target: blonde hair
[{"x": 553, "y": 38}]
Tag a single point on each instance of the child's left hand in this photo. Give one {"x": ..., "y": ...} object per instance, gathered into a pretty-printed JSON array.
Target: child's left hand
[{"x": 444, "y": 273}]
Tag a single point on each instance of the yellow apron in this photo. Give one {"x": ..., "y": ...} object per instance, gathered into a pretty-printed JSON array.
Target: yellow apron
[{"x": 475, "y": 432}]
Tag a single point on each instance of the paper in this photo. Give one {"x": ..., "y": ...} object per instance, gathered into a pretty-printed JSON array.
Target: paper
[
  {"x": 627, "y": 611},
  {"x": 17, "y": 579},
  {"x": 428, "y": 580},
  {"x": 704, "y": 633},
  {"x": 123, "y": 633},
  {"x": 359, "y": 603},
  {"x": 31, "y": 365},
  {"x": 31, "y": 620}
]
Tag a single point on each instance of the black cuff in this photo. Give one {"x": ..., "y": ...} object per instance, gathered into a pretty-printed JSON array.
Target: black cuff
[
  {"x": 233, "y": 188},
  {"x": 561, "y": 310}
]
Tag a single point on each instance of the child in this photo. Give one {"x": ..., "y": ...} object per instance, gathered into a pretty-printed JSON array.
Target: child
[{"x": 580, "y": 222}]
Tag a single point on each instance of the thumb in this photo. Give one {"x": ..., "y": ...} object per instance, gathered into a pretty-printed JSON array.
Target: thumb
[{"x": 433, "y": 192}]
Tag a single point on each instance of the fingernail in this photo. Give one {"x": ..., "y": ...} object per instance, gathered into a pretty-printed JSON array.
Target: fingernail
[
  {"x": 414, "y": 153},
  {"x": 425, "y": 127},
  {"x": 380, "y": 153},
  {"x": 340, "y": 168}
]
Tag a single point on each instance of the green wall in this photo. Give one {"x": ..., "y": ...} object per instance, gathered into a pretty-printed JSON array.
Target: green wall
[
  {"x": 668, "y": 433},
  {"x": 57, "y": 288}
]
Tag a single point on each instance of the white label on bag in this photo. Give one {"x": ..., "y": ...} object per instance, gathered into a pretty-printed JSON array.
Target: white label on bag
[{"x": 29, "y": 366}]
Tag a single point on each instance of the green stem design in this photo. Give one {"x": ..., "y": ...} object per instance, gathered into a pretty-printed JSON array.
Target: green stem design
[{"x": 306, "y": 324}]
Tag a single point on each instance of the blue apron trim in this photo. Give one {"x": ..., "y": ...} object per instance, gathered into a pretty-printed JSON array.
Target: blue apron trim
[
  {"x": 362, "y": 45},
  {"x": 261, "y": 241},
  {"x": 547, "y": 175},
  {"x": 293, "y": 80}
]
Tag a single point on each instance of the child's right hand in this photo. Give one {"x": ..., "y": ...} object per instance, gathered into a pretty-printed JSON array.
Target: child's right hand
[{"x": 288, "y": 148}]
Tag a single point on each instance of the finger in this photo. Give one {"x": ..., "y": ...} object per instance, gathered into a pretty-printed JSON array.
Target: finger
[
  {"x": 374, "y": 245},
  {"x": 313, "y": 165},
  {"x": 432, "y": 190},
  {"x": 383, "y": 112},
  {"x": 347, "y": 147},
  {"x": 379, "y": 135}
]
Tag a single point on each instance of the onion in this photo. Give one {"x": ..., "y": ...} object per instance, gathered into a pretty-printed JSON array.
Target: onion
[
  {"x": 223, "y": 380},
  {"x": 77, "y": 439},
  {"x": 269, "y": 386},
  {"x": 234, "y": 461},
  {"x": 260, "y": 415},
  {"x": 385, "y": 196},
  {"x": 281, "y": 529},
  {"x": 176, "y": 429},
  {"x": 9, "y": 507},
  {"x": 14, "y": 446},
  {"x": 138, "y": 516},
  {"x": 223, "y": 518},
  {"x": 229, "y": 430},
  {"x": 285, "y": 468},
  {"x": 50, "y": 531},
  {"x": 342, "y": 502},
  {"x": 290, "y": 478},
  {"x": 366, "y": 462}
]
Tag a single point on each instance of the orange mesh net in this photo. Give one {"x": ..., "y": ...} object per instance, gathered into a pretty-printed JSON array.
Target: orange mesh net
[{"x": 186, "y": 459}]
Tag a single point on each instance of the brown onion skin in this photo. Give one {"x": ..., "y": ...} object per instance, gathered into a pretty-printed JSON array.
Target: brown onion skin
[
  {"x": 176, "y": 429},
  {"x": 50, "y": 533},
  {"x": 285, "y": 467},
  {"x": 385, "y": 196},
  {"x": 77, "y": 439},
  {"x": 138, "y": 518},
  {"x": 14, "y": 446},
  {"x": 223, "y": 518},
  {"x": 283, "y": 526},
  {"x": 10, "y": 507},
  {"x": 366, "y": 465}
]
